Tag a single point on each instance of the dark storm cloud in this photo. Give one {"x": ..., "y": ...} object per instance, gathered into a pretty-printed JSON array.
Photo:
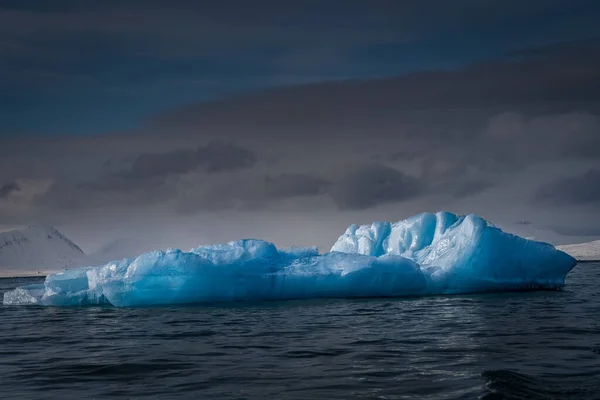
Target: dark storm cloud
[
  {"x": 558, "y": 80},
  {"x": 151, "y": 177},
  {"x": 98, "y": 59},
  {"x": 372, "y": 185},
  {"x": 9, "y": 188},
  {"x": 106, "y": 192},
  {"x": 449, "y": 99},
  {"x": 39, "y": 17},
  {"x": 496, "y": 117},
  {"x": 248, "y": 191},
  {"x": 576, "y": 190},
  {"x": 213, "y": 157},
  {"x": 460, "y": 140},
  {"x": 357, "y": 187},
  {"x": 471, "y": 188},
  {"x": 513, "y": 140},
  {"x": 295, "y": 185}
]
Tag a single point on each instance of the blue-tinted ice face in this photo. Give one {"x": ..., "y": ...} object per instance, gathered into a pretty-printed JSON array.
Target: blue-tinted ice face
[
  {"x": 462, "y": 254},
  {"x": 426, "y": 254}
]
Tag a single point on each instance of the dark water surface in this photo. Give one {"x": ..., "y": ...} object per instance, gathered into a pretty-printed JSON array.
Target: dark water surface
[{"x": 536, "y": 345}]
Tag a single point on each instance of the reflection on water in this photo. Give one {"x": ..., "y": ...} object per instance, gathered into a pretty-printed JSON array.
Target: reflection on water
[
  {"x": 538, "y": 345},
  {"x": 509, "y": 385}
]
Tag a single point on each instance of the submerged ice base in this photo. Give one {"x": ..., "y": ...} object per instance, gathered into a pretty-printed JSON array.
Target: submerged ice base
[{"x": 427, "y": 254}]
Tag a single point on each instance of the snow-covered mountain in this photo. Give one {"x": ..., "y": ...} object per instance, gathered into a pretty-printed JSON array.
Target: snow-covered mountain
[
  {"x": 584, "y": 251},
  {"x": 37, "y": 248}
]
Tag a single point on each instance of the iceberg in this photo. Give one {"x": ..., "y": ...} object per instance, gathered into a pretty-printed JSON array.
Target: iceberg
[
  {"x": 462, "y": 254},
  {"x": 427, "y": 254}
]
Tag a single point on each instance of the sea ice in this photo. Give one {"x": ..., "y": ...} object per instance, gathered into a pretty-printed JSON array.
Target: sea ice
[
  {"x": 24, "y": 295},
  {"x": 427, "y": 254}
]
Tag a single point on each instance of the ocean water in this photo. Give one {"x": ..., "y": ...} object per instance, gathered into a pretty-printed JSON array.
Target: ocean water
[{"x": 528, "y": 345}]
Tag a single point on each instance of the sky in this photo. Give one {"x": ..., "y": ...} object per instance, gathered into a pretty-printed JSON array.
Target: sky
[{"x": 136, "y": 124}]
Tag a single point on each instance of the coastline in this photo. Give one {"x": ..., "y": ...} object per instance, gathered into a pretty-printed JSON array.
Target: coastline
[{"x": 25, "y": 274}]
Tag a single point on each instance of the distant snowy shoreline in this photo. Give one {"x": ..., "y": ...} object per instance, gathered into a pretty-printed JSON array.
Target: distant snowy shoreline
[
  {"x": 583, "y": 252},
  {"x": 25, "y": 274}
]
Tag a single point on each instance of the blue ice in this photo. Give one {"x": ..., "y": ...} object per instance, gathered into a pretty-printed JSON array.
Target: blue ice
[{"x": 426, "y": 254}]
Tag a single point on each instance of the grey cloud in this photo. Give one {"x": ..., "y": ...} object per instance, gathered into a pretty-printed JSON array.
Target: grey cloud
[
  {"x": 523, "y": 222},
  {"x": 199, "y": 192},
  {"x": 43, "y": 42},
  {"x": 475, "y": 152},
  {"x": 513, "y": 138},
  {"x": 160, "y": 16},
  {"x": 105, "y": 192},
  {"x": 580, "y": 231},
  {"x": 506, "y": 145},
  {"x": 357, "y": 187},
  {"x": 208, "y": 31},
  {"x": 9, "y": 188},
  {"x": 229, "y": 17},
  {"x": 471, "y": 188},
  {"x": 234, "y": 193},
  {"x": 490, "y": 118},
  {"x": 447, "y": 133},
  {"x": 214, "y": 157},
  {"x": 151, "y": 177},
  {"x": 460, "y": 178},
  {"x": 249, "y": 192},
  {"x": 373, "y": 184},
  {"x": 576, "y": 190},
  {"x": 555, "y": 81},
  {"x": 295, "y": 185}
]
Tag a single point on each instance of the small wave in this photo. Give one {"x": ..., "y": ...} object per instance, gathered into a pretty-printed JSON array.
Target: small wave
[{"x": 510, "y": 385}]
